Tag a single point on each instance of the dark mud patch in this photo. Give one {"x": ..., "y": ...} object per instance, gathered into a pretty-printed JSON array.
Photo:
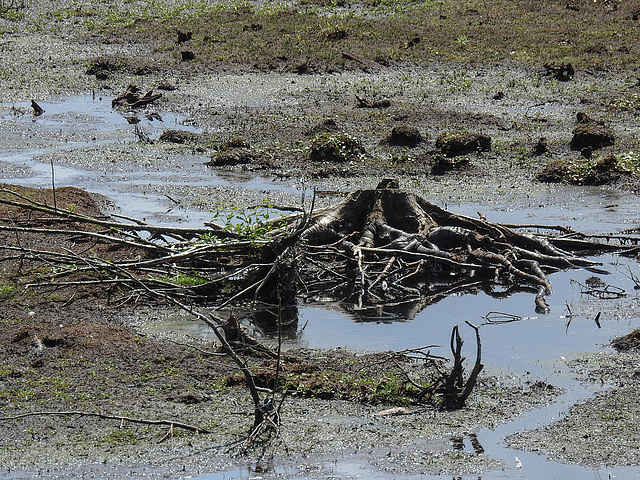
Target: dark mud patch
[
  {"x": 106, "y": 66},
  {"x": 627, "y": 343}
]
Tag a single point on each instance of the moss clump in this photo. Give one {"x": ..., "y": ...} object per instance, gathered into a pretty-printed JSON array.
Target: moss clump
[
  {"x": 178, "y": 136},
  {"x": 591, "y": 171},
  {"x": 591, "y": 135},
  {"x": 452, "y": 144},
  {"x": 335, "y": 147},
  {"x": 629, "y": 342},
  {"x": 403, "y": 136}
]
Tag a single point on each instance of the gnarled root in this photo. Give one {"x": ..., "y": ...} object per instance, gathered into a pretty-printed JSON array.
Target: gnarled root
[{"x": 388, "y": 245}]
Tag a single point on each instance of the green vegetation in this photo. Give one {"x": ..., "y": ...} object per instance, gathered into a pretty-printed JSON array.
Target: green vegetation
[
  {"x": 118, "y": 437},
  {"x": 186, "y": 279},
  {"x": 312, "y": 35},
  {"x": 7, "y": 289},
  {"x": 335, "y": 147},
  {"x": 385, "y": 387},
  {"x": 247, "y": 224},
  {"x": 629, "y": 102},
  {"x": 12, "y": 9},
  {"x": 596, "y": 170}
]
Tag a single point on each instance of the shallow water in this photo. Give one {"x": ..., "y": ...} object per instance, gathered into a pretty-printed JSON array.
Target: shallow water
[
  {"x": 534, "y": 347},
  {"x": 63, "y": 147}
]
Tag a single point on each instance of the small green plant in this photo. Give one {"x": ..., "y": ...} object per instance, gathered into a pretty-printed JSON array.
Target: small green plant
[
  {"x": 218, "y": 386},
  {"x": 458, "y": 81},
  {"x": 116, "y": 437},
  {"x": 335, "y": 147},
  {"x": 462, "y": 41},
  {"x": 185, "y": 279},
  {"x": 596, "y": 170},
  {"x": 11, "y": 9},
  {"x": 630, "y": 102},
  {"x": 7, "y": 289},
  {"x": 629, "y": 162},
  {"x": 247, "y": 224}
]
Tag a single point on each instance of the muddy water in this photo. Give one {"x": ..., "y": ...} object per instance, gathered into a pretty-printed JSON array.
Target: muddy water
[
  {"x": 67, "y": 146},
  {"x": 81, "y": 141}
]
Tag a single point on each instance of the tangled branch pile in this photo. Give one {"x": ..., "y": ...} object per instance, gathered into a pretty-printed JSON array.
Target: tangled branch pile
[
  {"x": 387, "y": 247},
  {"x": 377, "y": 248}
]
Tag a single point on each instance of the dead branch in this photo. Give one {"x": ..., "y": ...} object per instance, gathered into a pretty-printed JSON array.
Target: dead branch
[
  {"x": 171, "y": 423},
  {"x": 455, "y": 390},
  {"x": 376, "y": 248}
]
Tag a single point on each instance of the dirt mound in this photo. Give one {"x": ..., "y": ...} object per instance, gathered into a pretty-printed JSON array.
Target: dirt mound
[{"x": 629, "y": 342}]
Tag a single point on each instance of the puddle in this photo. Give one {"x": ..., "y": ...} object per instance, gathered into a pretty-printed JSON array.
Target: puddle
[
  {"x": 81, "y": 142},
  {"x": 533, "y": 347}
]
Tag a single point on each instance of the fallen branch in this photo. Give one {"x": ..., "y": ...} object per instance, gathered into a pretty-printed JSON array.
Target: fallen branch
[
  {"x": 171, "y": 423},
  {"x": 376, "y": 248}
]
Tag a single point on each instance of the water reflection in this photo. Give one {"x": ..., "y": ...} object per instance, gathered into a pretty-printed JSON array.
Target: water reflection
[
  {"x": 530, "y": 344},
  {"x": 407, "y": 310}
]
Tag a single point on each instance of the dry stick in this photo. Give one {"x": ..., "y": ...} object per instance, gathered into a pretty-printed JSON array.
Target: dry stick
[
  {"x": 540, "y": 227},
  {"x": 83, "y": 233},
  {"x": 406, "y": 375},
  {"x": 453, "y": 380},
  {"x": 634, "y": 278},
  {"x": 416, "y": 271},
  {"x": 386, "y": 269},
  {"x": 325, "y": 268},
  {"x": 53, "y": 186},
  {"x": 425, "y": 256},
  {"x": 168, "y": 231},
  {"x": 294, "y": 235},
  {"x": 90, "y": 266},
  {"x": 171, "y": 423},
  {"x": 271, "y": 271},
  {"x": 239, "y": 294}
]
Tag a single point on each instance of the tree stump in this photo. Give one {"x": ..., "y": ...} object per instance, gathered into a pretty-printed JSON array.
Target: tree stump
[{"x": 387, "y": 246}]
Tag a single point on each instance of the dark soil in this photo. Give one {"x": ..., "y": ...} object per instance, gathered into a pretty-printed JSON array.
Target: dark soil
[{"x": 630, "y": 342}]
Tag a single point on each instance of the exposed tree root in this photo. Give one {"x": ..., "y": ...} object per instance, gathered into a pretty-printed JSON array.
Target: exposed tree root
[
  {"x": 375, "y": 249},
  {"x": 386, "y": 245}
]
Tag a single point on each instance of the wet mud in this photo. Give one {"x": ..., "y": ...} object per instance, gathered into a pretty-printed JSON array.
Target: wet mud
[{"x": 239, "y": 139}]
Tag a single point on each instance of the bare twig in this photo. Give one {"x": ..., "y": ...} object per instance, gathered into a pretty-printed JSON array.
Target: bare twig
[{"x": 172, "y": 423}]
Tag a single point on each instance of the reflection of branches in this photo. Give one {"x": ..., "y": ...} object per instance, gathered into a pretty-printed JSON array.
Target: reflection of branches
[
  {"x": 601, "y": 290},
  {"x": 501, "y": 317},
  {"x": 633, "y": 277}
]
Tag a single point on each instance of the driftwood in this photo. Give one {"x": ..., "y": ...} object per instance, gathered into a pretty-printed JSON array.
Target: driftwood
[
  {"x": 366, "y": 103},
  {"x": 131, "y": 98},
  {"x": 170, "y": 423},
  {"x": 365, "y": 62}
]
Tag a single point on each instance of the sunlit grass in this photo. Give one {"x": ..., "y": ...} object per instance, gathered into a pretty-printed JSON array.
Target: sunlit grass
[{"x": 277, "y": 33}]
